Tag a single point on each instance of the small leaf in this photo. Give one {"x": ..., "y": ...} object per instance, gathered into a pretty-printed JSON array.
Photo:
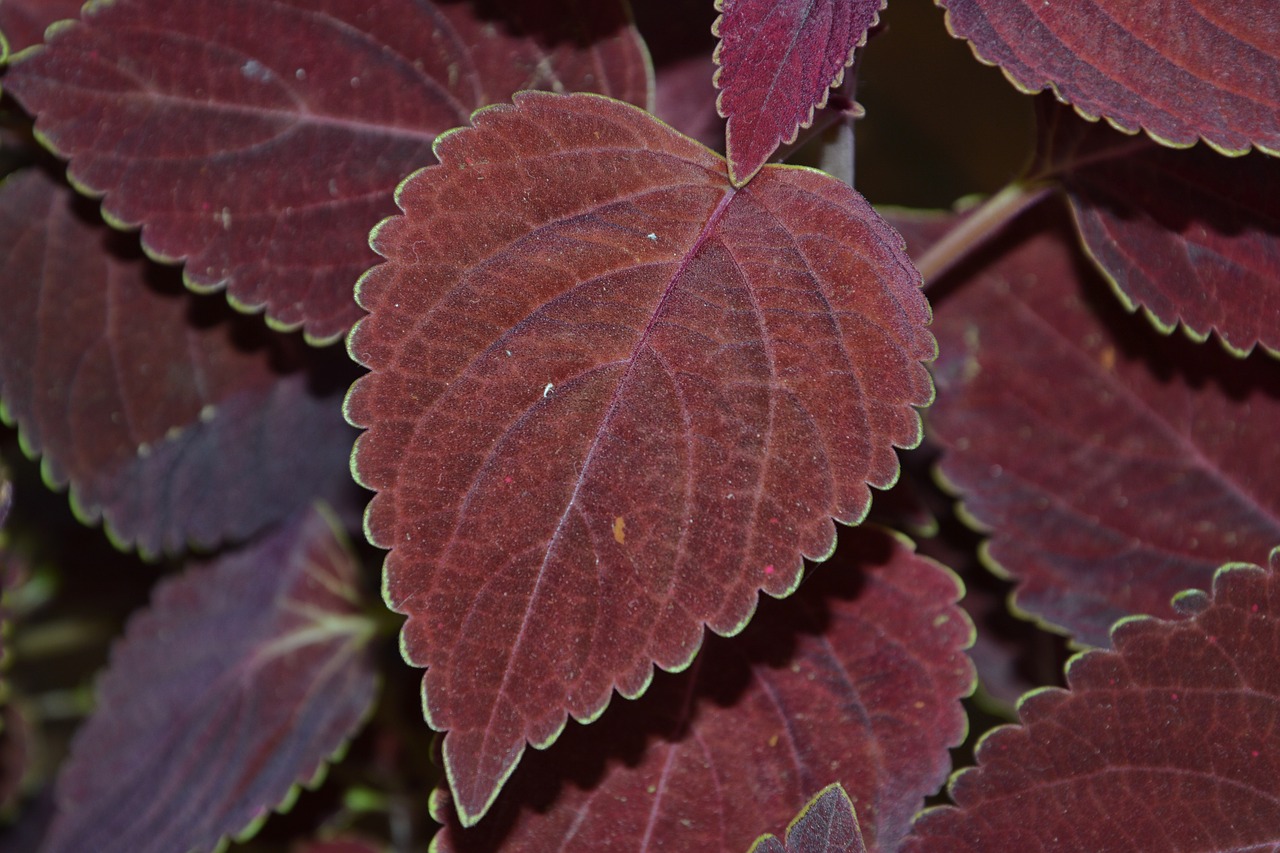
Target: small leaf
[
  {"x": 857, "y": 678},
  {"x": 1166, "y": 743},
  {"x": 612, "y": 399},
  {"x": 235, "y": 686},
  {"x": 317, "y": 112},
  {"x": 169, "y": 419},
  {"x": 827, "y": 824},
  {"x": 1196, "y": 69},
  {"x": 23, "y": 22},
  {"x": 778, "y": 60}
]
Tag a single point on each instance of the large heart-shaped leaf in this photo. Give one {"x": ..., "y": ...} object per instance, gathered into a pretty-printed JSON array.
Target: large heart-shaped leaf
[
  {"x": 856, "y": 678},
  {"x": 612, "y": 399},
  {"x": 1182, "y": 70},
  {"x": 1167, "y": 743},
  {"x": 1113, "y": 466},
  {"x": 170, "y": 420},
  {"x": 236, "y": 685},
  {"x": 317, "y": 110},
  {"x": 778, "y": 60},
  {"x": 828, "y": 824}
]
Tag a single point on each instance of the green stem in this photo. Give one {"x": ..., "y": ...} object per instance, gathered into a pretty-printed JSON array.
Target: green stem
[{"x": 983, "y": 223}]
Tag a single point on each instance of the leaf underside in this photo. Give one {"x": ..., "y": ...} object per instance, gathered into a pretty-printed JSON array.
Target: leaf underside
[
  {"x": 827, "y": 824},
  {"x": 611, "y": 399}
]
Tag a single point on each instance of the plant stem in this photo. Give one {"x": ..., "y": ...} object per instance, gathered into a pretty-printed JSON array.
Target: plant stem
[{"x": 979, "y": 226}]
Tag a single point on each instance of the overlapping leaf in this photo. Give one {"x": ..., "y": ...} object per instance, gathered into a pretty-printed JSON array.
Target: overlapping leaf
[
  {"x": 778, "y": 60},
  {"x": 236, "y": 685},
  {"x": 613, "y": 398},
  {"x": 260, "y": 141},
  {"x": 1167, "y": 743},
  {"x": 1113, "y": 466},
  {"x": 827, "y": 824},
  {"x": 1190, "y": 236},
  {"x": 164, "y": 415},
  {"x": 856, "y": 679},
  {"x": 23, "y": 22},
  {"x": 1194, "y": 69}
]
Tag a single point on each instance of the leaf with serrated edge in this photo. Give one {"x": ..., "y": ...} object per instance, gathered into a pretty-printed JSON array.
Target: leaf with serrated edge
[
  {"x": 317, "y": 109},
  {"x": 857, "y": 678},
  {"x": 1166, "y": 743},
  {"x": 827, "y": 824},
  {"x": 23, "y": 22},
  {"x": 232, "y": 689},
  {"x": 612, "y": 398},
  {"x": 778, "y": 60},
  {"x": 1112, "y": 465}
]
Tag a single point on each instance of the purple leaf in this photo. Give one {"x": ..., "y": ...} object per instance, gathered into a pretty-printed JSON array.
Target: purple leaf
[
  {"x": 1166, "y": 743},
  {"x": 855, "y": 678},
  {"x": 612, "y": 399},
  {"x": 827, "y": 824},
  {"x": 778, "y": 60},
  {"x": 171, "y": 423},
  {"x": 316, "y": 109},
  {"x": 236, "y": 685},
  {"x": 23, "y": 22},
  {"x": 1183, "y": 70},
  {"x": 1112, "y": 465}
]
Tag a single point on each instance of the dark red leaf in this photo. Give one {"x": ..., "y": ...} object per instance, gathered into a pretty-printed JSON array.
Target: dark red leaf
[
  {"x": 318, "y": 109},
  {"x": 23, "y": 22},
  {"x": 1114, "y": 466},
  {"x": 1189, "y": 236},
  {"x": 166, "y": 417},
  {"x": 856, "y": 678},
  {"x": 236, "y": 685},
  {"x": 1183, "y": 70},
  {"x": 346, "y": 844},
  {"x": 778, "y": 60},
  {"x": 6, "y": 498},
  {"x": 1167, "y": 743},
  {"x": 612, "y": 399},
  {"x": 827, "y": 824}
]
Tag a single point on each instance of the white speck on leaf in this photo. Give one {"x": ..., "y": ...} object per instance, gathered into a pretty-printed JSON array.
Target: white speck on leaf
[
  {"x": 255, "y": 70},
  {"x": 652, "y": 236},
  {"x": 546, "y": 392}
]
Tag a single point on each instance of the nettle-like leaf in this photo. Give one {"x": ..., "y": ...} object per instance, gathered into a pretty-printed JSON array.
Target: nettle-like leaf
[
  {"x": 1190, "y": 236},
  {"x": 235, "y": 686},
  {"x": 23, "y": 22},
  {"x": 260, "y": 140},
  {"x": 856, "y": 678},
  {"x": 778, "y": 61},
  {"x": 611, "y": 399},
  {"x": 827, "y": 824},
  {"x": 1195, "y": 70},
  {"x": 168, "y": 419},
  {"x": 1113, "y": 466},
  {"x": 1166, "y": 743}
]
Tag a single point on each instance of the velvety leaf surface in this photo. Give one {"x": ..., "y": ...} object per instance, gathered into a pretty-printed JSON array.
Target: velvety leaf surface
[
  {"x": 827, "y": 825},
  {"x": 1167, "y": 743},
  {"x": 778, "y": 60},
  {"x": 170, "y": 420},
  {"x": 237, "y": 684},
  {"x": 317, "y": 110},
  {"x": 1180, "y": 69},
  {"x": 1113, "y": 466},
  {"x": 855, "y": 679},
  {"x": 612, "y": 399},
  {"x": 1190, "y": 236},
  {"x": 23, "y": 22}
]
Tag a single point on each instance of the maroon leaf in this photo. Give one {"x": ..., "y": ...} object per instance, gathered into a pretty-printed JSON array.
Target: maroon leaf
[
  {"x": 612, "y": 399},
  {"x": 167, "y": 420},
  {"x": 1167, "y": 743},
  {"x": 318, "y": 109},
  {"x": 1206, "y": 69},
  {"x": 6, "y": 498},
  {"x": 827, "y": 824},
  {"x": 856, "y": 678},
  {"x": 1114, "y": 466},
  {"x": 237, "y": 684},
  {"x": 778, "y": 60},
  {"x": 1191, "y": 237},
  {"x": 346, "y": 844},
  {"x": 23, "y": 22}
]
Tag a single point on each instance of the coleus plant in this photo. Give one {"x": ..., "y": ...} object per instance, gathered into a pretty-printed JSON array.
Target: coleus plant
[{"x": 608, "y": 386}]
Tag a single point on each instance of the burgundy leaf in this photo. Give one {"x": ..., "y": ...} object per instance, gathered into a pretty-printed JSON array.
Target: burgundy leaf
[
  {"x": 826, "y": 825},
  {"x": 166, "y": 419},
  {"x": 6, "y": 499},
  {"x": 346, "y": 844},
  {"x": 236, "y": 685},
  {"x": 778, "y": 60},
  {"x": 1114, "y": 466},
  {"x": 23, "y": 22},
  {"x": 612, "y": 399},
  {"x": 856, "y": 678},
  {"x": 1167, "y": 743},
  {"x": 1181, "y": 69},
  {"x": 1191, "y": 237},
  {"x": 317, "y": 109}
]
